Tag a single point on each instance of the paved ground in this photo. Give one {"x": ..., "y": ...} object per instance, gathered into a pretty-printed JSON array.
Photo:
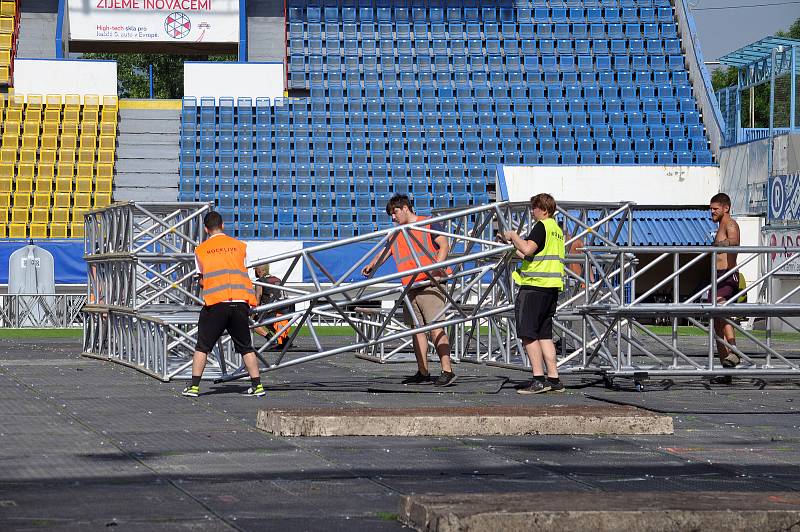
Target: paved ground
[{"x": 86, "y": 444}]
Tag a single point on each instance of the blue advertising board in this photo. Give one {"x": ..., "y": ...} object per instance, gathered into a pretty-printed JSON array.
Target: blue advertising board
[{"x": 784, "y": 198}]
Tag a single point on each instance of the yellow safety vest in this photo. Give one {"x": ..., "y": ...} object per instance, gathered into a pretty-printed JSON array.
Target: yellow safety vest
[{"x": 546, "y": 269}]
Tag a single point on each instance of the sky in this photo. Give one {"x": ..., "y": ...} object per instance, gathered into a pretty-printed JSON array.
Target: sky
[{"x": 725, "y": 30}]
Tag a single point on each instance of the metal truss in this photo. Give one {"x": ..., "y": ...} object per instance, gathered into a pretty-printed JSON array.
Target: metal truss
[
  {"x": 631, "y": 348},
  {"x": 41, "y": 310}
]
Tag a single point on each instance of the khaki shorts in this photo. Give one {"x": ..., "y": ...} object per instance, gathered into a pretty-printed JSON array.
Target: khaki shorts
[{"x": 427, "y": 304}]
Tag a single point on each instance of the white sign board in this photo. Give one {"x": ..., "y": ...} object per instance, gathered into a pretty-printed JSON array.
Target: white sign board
[
  {"x": 233, "y": 79},
  {"x": 789, "y": 238},
  {"x": 65, "y": 76},
  {"x": 175, "y": 21}
]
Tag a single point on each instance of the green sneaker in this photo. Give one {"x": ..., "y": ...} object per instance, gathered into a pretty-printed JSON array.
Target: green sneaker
[
  {"x": 258, "y": 391},
  {"x": 191, "y": 391}
]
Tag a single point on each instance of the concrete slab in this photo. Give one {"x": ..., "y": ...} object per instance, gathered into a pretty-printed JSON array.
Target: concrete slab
[
  {"x": 567, "y": 512},
  {"x": 462, "y": 421}
]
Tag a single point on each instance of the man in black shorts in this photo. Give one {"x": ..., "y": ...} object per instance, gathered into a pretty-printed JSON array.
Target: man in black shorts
[
  {"x": 228, "y": 295},
  {"x": 540, "y": 279}
]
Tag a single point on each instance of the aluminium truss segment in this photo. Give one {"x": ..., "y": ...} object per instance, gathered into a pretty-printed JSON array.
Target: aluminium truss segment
[
  {"x": 479, "y": 294},
  {"x": 636, "y": 350}
]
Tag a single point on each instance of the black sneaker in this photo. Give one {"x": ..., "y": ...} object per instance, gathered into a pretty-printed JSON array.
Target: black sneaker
[
  {"x": 447, "y": 378},
  {"x": 536, "y": 386},
  {"x": 557, "y": 387},
  {"x": 722, "y": 379},
  {"x": 417, "y": 378}
]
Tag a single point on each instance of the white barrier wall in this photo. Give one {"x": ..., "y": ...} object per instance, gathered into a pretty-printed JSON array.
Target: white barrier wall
[
  {"x": 252, "y": 80},
  {"x": 65, "y": 76},
  {"x": 259, "y": 249},
  {"x": 648, "y": 185}
]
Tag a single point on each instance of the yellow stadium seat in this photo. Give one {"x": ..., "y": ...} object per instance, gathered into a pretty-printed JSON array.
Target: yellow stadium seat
[
  {"x": 58, "y": 230},
  {"x": 51, "y": 127},
  {"x": 6, "y": 185},
  {"x": 11, "y": 140},
  {"x": 65, "y": 171},
  {"x": 5, "y": 41},
  {"x": 47, "y": 157},
  {"x": 49, "y": 142},
  {"x": 54, "y": 101},
  {"x": 33, "y": 118},
  {"x": 102, "y": 200},
  {"x": 85, "y": 170},
  {"x": 86, "y": 155},
  {"x": 66, "y": 155},
  {"x": 61, "y": 200},
  {"x": 60, "y": 214},
  {"x": 107, "y": 142},
  {"x": 69, "y": 141},
  {"x": 5, "y": 201},
  {"x": 30, "y": 141},
  {"x": 5, "y": 76},
  {"x": 69, "y": 129},
  {"x": 17, "y": 230},
  {"x": 7, "y": 26},
  {"x": 35, "y": 101},
  {"x": 72, "y": 100},
  {"x": 77, "y": 214},
  {"x": 45, "y": 171},
  {"x": 23, "y": 185},
  {"x": 27, "y": 155},
  {"x": 72, "y": 115},
  {"x": 83, "y": 184},
  {"x": 44, "y": 187},
  {"x": 38, "y": 230},
  {"x": 88, "y": 142},
  {"x": 52, "y": 115},
  {"x": 8, "y": 8},
  {"x": 40, "y": 215},
  {"x": 41, "y": 199},
  {"x": 11, "y": 128},
  {"x": 91, "y": 101},
  {"x": 64, "y": 184},
  {"x": 76, "y": 229},
  {"x": 3, "y": 231},
  {"x": 17, "y": 101},
  {"x": 108, "y": 116},
  {"x": 8, "y": 155},
  {"x": 110, "y": 101},
  {"x": 22, "y": 201},
  {"x": 90, "y": 119},
  {"x": 105, "y": 156},
  {"x": 26, "y": 171},
  {"x": 108, "y": 128},
  {"x": 6, "y": 171},
  {"x": 19, "y": 215},
  {"x": 105, "y": 171},
  {"x": 82, "y": 200},
  {"x": 102, "y": 186},
  {"x": 4, "y": 217}
]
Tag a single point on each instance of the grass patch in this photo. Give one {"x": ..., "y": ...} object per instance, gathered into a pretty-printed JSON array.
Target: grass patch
[
  {"x": 386, "y": 516},
  {"x": 40, "y": 333}
]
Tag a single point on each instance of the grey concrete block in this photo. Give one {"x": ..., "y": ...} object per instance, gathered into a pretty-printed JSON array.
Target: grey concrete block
[
  {"x": 600, "y": 512},
  {"x": 145, "y": 194},
  {"x": 476, "y": 421}
]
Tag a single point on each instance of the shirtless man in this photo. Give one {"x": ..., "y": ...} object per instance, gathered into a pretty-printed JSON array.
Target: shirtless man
[{"x": 727, "y": 235}]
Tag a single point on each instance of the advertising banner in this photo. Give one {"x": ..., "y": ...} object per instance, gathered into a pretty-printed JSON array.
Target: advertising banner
[
  {"x": 175, "y": 21},
  {"x": 779, "y": 239},
  {"x": 784, "y": 198}
]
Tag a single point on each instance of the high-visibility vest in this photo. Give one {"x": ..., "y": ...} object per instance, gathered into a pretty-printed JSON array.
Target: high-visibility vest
[
  {"x": 405, "y": 259},
  {"x": 545, "y": 269},
  {"x": 221, "y": 260}
]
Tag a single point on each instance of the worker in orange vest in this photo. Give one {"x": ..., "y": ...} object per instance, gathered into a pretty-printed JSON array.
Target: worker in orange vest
[
  {"x": 228, "y": 295},
  {"x": 427, "y": 302}
]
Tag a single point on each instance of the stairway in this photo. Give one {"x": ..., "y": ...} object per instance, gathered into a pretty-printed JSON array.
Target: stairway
[
  {"x": 147, "y": 155},
  {"x": 37, "y": 29},
  {"x": 266, "y": 31}
]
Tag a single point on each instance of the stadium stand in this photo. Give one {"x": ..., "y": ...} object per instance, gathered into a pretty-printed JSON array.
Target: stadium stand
[
  {"x": 56, "y": 162},
  {"x": 429, "y": 98},
  {"x": 9, "y": 31}
]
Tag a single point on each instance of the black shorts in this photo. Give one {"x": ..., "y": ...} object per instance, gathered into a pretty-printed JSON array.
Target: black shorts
[
  {"x": 534, "y": 312},
  {"x": 216, "y": 319},
  {"x": 727, "y": 287}
]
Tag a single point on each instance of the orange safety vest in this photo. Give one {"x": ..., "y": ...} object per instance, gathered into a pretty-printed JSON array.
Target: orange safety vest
[
  {"x": 405, "y": 259},
  {"x": 221, "y": 261}
]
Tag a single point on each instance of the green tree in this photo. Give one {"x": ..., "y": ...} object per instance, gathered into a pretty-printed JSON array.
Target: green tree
[{"x": 134, "y": 77}]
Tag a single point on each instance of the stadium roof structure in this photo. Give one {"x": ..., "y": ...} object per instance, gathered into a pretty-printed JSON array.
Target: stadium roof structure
[{"x": 757, "y": 51}]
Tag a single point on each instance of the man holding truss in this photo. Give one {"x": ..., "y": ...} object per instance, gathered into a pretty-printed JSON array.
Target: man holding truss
[
  {"x": 540, "y": 279},
  {"x": 427, "y": 302},
  {"x": 228, "y": 295}
]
